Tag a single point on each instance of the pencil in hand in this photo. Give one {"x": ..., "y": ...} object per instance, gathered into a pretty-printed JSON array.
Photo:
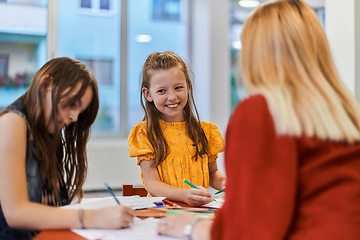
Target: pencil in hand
[
  {"x": 190, "y": 184},
  {"x": 220, "y": 191},
  {"x": 111, "y": 192}
]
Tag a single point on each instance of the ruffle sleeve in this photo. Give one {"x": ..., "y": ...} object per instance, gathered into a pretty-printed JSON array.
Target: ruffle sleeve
[
  {"x": 215, "y": 140},
  {"x": 138, "y": 144}
]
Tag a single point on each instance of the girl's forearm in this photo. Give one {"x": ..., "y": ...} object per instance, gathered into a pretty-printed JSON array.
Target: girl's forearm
[
  {"x": 41, "y": 217},
  {"x": 216, "y": 179},
  {"x": 161, "y": 189}
]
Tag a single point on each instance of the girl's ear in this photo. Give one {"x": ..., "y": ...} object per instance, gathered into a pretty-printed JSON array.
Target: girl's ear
[
  {"x": 146, "y": 94},
  {"x": 46, "y": 84}
]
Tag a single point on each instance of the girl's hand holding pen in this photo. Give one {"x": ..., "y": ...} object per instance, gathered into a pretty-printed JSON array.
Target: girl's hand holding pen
[
  {"x": 223, "y": 184},
  {"x": 114, "y": 217},
  {"x": 198, "y": 197}
]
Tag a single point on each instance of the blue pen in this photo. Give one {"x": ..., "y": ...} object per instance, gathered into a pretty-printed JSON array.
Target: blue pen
[
  {"x": 190, "y": 184},
  {"x": 111, "y": 192},
  {"x": 159, "y": 204}
]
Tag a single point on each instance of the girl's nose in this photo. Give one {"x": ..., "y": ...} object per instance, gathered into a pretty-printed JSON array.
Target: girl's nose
[
  {"x": 172, "y": 95},
  {"x": 74, "y": 115}
]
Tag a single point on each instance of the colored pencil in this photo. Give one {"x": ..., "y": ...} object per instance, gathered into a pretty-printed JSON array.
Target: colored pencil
[
  {"x": 190, "y": 184},
  {"x": 220, "y": 191},
  {"x": 171, "y": 203},
  {"x": 111, "y": 192}
]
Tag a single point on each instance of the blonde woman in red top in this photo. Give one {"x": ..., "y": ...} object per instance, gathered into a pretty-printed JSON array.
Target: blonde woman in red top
[{"x": 292, "y": 152}]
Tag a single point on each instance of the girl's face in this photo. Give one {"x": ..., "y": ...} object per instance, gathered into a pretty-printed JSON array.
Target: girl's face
[
  {"x": 169, "y": 92},
  {"x": 66, "y": 114}
]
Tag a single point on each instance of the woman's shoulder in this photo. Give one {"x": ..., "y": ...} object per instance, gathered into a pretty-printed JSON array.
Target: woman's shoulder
[
  {"x": 251, "y": 112},
  {"x": 253, "y": 105},
  {"x": 257, "y": 100}
]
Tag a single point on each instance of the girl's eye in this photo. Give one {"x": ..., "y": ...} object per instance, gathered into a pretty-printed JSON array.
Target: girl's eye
[
  {"x": 161, "y": 91},
  {"x": 179, "y": 88},
  {"x": 74, "y": 105}
]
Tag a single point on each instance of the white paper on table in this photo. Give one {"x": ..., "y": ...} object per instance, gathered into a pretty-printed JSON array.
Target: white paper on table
[
  {"x": 215, "y": 204},
  {"x": 134, "y": 202},
  {"x": 140, "y": 230}
]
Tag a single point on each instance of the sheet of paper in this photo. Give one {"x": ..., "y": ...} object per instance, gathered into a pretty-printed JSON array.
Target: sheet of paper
[
  {"x": 135, "y": 202},
  {"x": 140, "y": 230},
  {"x": 215, "y": 204}
]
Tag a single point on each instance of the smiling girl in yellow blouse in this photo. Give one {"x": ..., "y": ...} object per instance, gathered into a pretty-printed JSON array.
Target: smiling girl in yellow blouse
[{"x": 172, "y": 144}]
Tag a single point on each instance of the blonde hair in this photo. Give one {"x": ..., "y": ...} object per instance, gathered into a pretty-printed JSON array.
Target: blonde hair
[{"x": 286, "y": 58}]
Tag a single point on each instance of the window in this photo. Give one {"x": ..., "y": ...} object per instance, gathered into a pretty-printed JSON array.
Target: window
[
  {"x": 238, "y": 16},
  {"x": 4, "y": 61},
  {"x": 22, "y": 46},
  {"x": 105, "y": 4},
  {"x": 166, "y": 10},
  {"x": 84, "y": 33},
  {"x": 100, "y": 69},
  {"x": 95, "y": 40},
  {"x": 145, "y": 37},
  {"x": 98, "y": 7},
  {"x": 85, "y": 3}
]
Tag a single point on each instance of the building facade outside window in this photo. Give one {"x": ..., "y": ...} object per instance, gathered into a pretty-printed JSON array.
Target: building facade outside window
[{"x": 23, "y": 33}]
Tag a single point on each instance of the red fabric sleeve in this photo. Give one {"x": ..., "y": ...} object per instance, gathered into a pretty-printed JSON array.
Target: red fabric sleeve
[{"x": 261, "y": 169}]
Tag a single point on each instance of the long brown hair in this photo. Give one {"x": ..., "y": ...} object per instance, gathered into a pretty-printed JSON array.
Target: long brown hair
[
  {"x": 64, "y": 152},
  {"x": 286, "y": 57},
  {"x": 166, "y": 60}
]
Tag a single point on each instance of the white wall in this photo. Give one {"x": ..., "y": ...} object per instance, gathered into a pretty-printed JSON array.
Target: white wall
[
  {"x": 339, "y": 25},
  {"x": 211, "y": 62},
  {"x": 109, "y": 161},
  {"x": 342, "y": 26}
]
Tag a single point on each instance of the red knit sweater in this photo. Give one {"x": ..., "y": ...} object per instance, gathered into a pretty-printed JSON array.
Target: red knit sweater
[{"x": 282, "y": 187}]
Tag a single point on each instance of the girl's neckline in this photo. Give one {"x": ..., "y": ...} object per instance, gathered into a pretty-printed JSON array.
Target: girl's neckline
[{"x": 175, "y": 124}]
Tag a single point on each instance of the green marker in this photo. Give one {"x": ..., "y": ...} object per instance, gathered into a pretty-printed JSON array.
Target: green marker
[
  {"x": 220, "y": 191},
  {"x": 190, "y": 184}
]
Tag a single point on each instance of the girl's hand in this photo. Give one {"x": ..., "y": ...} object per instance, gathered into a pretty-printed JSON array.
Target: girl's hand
[
  {"x": 113, "y": 217},
  {"x": 173, "y": 225},
  {"x": 198, "y": 197},
  {"x": 223, "y": 184}
]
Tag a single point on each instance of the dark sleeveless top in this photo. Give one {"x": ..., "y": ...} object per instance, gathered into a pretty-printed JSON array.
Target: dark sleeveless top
[{"x": 34, "y": 182}]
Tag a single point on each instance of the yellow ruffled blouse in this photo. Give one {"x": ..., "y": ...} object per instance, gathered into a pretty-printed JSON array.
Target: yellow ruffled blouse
[{"x": 179, "y": 164}]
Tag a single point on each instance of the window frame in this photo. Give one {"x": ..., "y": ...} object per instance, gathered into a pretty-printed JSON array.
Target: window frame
[
  {"x": 5, "y": 56},
  {"x": 95, "y": 8},
  {"x": 52, "y": 49}
]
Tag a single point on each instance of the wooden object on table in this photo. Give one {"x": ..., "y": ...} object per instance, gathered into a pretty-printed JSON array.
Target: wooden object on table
[
  {"x": 58, "y": 235},
  {"x": 129, "y": 190}
]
